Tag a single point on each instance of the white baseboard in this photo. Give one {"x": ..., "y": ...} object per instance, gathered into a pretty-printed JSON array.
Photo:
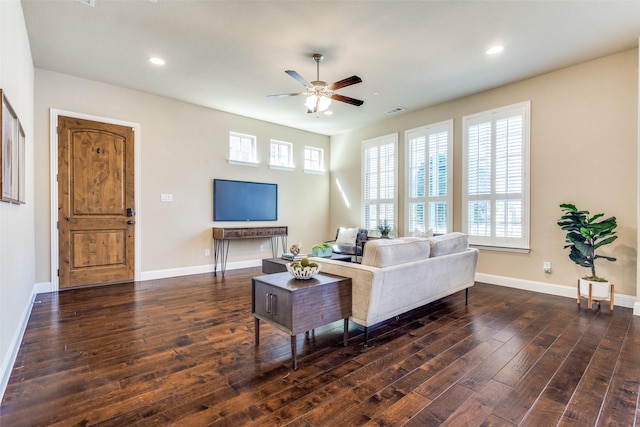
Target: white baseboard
[
  {"x": 621, "y": 300},
  {"x": 12, "y": 352},
  {"x": 186, "y": 271}
]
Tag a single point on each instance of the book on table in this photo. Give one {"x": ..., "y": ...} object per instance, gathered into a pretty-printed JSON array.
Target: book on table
[{"x": 291, "y": 257}]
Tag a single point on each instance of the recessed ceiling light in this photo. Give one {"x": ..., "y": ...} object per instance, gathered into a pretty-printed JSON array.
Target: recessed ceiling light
[
  {"x": 495, "y": 49},
  {"x": 328, "y": 113},
  {"x": 157, "y": 61}
]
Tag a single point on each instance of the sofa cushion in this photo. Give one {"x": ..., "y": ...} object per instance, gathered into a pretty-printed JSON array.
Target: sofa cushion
[
  {"x": 386, "y": 252},
  {"x": 449, "y": 243},
  {"x": 346, "y": 236}
]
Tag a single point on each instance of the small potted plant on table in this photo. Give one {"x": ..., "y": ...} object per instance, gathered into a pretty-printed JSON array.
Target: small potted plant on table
[
  {"x": 584, "y": 236},
  {"x": 384, "y": 229},
  {"x": 322, "y": 250}
]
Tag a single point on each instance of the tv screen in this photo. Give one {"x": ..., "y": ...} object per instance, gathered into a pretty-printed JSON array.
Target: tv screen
[{"x": 244, "y": 201}]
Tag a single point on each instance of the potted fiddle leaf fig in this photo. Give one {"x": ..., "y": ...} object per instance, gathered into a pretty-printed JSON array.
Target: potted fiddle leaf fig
[{"x": 585, "y": 235}]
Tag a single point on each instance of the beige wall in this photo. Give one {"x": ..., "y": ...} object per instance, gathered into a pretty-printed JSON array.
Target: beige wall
[
  {"x": 183, "y": 148},
  {"x": 584, "y": 136},
  {"x": 16, "y": 221}
]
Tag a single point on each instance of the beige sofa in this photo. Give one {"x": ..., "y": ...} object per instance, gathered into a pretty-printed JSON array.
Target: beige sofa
[{"x": 398, "y": 275}]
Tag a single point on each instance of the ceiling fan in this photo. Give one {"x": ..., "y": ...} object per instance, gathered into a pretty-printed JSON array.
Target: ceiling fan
[{"x": 319, "y": 93}]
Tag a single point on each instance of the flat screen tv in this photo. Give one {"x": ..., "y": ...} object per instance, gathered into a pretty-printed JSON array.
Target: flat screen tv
[{"x": 244, "y": 201}]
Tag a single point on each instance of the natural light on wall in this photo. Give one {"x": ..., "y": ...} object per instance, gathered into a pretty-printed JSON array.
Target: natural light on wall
[{"x": 344, "y": 196}]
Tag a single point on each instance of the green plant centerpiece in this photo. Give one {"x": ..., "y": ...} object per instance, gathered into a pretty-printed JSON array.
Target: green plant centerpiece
[
  {"x": 321, "y": 250},
  {"x": 384, "y": 228},
  {"x": 585, "y": 235}
]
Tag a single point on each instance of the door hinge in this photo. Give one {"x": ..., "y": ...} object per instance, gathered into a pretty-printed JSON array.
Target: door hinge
[
  {"x": 58, "y": 225},
  {"x": 58, "y": 272}
]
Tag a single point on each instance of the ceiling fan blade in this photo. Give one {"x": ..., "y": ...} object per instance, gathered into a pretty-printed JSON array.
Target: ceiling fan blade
[
  {"x": 298, "y": 77},
  {"x": 347, "y": 99},
  {"x": 344, "y": 83},
  {"x": 281, "y": 95}
]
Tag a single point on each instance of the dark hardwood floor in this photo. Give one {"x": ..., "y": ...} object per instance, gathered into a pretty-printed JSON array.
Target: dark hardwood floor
[{"x": 181, "y": 351}]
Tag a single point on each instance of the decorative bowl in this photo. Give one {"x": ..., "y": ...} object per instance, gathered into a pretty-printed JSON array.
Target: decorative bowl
[{"x": 303, "y": 273}]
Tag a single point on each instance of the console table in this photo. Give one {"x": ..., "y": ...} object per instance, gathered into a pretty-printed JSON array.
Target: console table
[{"x": 223, "y": 235}]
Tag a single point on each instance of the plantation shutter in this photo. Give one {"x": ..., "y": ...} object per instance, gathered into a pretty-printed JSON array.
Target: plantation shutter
[
  {"x": 429, "y": 178},
  {"x": 379, "y": 181},
  {"x": 496, "y": 161}
]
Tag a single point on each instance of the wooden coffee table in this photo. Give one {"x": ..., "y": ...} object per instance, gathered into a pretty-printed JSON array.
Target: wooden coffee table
[
  {"x": 296, "y": 306},
  {"x": 278, "y": 265}
]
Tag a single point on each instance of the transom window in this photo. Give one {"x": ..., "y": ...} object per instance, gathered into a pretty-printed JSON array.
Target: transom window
[
  {"x": 379, "y": 169},
  {"x": 281, "y": 154},
  {"x": 242, "y": 148},
  {"x": 313, "y": 159},
  {"x": 429, "y": 198},
  {"x": 496, "y": 177}
]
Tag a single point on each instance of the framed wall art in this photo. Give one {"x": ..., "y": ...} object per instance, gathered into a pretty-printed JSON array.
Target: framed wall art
[{"x": 12, "y": 155}]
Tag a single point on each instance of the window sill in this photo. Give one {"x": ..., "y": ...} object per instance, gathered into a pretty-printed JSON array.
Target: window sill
[
  {"x": 501, "y": 249},
  {"x": 282, "y": 168},
  {"x": 241, "y": 163}
]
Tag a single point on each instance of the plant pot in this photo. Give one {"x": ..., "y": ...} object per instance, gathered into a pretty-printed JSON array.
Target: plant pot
[
  {"x": 322, "y": 252},
  {"x": 599, "y": 290}
]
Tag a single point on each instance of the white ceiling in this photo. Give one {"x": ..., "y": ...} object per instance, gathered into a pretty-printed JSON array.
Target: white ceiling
[{"x": 229, "y": 55}]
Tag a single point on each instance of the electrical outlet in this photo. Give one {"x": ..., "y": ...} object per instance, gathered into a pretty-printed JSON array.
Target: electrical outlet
[
  {"x": 546, "y": 266},
  {"x": 207, "y": 252},
  {"x": 261, "y": 248}
]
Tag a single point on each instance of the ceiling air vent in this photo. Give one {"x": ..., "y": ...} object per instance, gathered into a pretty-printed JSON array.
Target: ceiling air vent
[
  {"x": 395, "y": 110},
  {"x": 91, "y": 3}
]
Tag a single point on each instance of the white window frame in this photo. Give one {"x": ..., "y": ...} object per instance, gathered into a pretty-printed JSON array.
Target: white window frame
[
  {"x": 491, "y": 239},
  {"x": 246, "y": 145},
  {"x": 432, "y": 136},
  {"x": 376, "y": 201},
  {"x": 308, "y": 151},
  {"x": 275, "y": 161}
]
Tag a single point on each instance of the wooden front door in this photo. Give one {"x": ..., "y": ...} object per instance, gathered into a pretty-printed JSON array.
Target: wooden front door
[{"x": 95, "y": 202}]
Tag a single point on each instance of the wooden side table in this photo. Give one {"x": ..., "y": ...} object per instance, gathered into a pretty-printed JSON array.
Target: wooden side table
[{"x": 296, "y": 306}]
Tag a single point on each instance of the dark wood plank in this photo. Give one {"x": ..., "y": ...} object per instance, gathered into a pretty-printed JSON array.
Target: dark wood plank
[{"x": 181, "y": 351}]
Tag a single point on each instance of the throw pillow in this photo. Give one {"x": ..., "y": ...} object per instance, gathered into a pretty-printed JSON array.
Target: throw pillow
[
  {"x": 419, "y": 233},
  {"x": 347, "y": 236}
]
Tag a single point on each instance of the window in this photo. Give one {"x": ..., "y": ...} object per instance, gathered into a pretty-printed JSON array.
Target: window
[
  {"x": 313, "y": 159},
  {"x": 379, "y": 170},
  {"x": 495, "y": 207},
  {"x": 429, "y": 175},
  {"x": 281, "y": 155},
  {"x": 242, "y": 148}
]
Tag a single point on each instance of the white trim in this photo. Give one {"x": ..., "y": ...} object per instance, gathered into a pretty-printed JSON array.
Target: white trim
[
  {"x": 282, "y": 168},
  {"x": 621, "y": 300},
  {"x": 53, "y": 192},
  {"x": 198, "y": 269},
  {"x": 636, "y": 308},
  {"x": 241, "y": 163},
  {"x": 12, "y": 351}
]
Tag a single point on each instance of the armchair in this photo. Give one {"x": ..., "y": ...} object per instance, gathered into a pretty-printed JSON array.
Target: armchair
[{"x": 348, "y": 241}]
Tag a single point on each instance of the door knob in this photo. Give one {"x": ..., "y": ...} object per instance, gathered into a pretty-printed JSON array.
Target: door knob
[{"x": 130, "y": 222}]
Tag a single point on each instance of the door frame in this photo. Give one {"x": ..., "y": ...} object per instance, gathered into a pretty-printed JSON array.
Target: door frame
[{"x": 53, "y": 193}]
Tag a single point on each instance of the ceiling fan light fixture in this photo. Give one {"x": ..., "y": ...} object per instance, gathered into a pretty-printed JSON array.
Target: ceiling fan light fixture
[{"x": 321, "y": 102}]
